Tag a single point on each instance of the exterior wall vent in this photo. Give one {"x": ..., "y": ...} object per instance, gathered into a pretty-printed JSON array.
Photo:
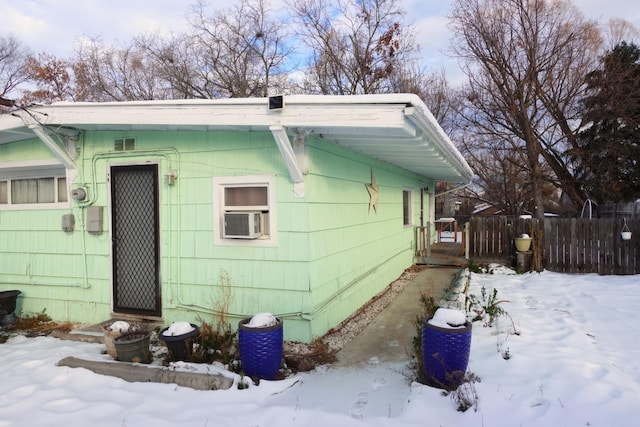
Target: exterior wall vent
[
  {"x": 242, "y": 225},
  {"x": 124, "y": 144}
]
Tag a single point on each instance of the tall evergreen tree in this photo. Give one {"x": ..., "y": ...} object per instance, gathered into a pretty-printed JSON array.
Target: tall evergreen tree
[{"x": 609, "y": 144}]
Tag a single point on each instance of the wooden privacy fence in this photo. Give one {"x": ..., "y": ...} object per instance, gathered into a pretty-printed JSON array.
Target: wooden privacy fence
[{"x": 567, "y": 245}]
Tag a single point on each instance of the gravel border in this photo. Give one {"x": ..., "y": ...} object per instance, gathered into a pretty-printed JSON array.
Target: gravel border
[{"x": 346, "y": 331}]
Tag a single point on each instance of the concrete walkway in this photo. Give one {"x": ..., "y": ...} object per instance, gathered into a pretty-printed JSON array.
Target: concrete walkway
[{"x": 389, "y": 338}]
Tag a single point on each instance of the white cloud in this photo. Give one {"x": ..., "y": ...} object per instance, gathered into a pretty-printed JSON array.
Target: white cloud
[{"x": 53, "y": 26}]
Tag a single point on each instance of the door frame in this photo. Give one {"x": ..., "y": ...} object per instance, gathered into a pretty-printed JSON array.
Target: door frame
[{"x": 157, "y": 312}]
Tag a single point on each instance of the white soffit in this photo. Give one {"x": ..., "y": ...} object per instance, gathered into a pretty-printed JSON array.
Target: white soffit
[{"x": 397, "y": 128}]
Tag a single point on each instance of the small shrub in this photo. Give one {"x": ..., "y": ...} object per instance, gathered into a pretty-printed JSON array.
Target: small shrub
[
  {"x": 492, "y": 308},
  {"x": 474, "y": 267},
  {"x": 465, "y": 396},
  {"x": 429, "y": 307},
  {"x": 215, "y": 344},
  {"x": 486, "y": 306}
]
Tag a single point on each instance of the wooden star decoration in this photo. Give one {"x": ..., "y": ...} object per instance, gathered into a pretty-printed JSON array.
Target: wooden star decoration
[{"x": 373, "y": 193}]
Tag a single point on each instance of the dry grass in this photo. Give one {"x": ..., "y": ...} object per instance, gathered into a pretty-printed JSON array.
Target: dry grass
[{"x": 35, "y": 325}]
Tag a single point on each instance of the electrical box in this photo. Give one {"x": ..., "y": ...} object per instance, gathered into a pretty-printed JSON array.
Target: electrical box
[
  {"x": 94, "y": 219},
  {"x": 68, "y": 222},
  {"x": 78, "y": 194}
]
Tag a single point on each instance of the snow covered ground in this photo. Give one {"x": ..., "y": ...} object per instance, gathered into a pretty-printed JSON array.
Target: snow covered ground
[{"x": 574, "y": 360}]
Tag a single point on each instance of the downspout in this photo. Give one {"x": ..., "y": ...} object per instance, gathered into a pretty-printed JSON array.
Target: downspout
[{"x": 425, "y": 250}]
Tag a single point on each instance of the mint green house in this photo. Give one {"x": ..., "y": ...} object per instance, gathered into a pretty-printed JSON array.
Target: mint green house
[{"x": 304, "y": 207}]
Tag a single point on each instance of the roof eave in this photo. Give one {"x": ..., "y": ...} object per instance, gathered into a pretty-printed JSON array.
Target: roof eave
[{"x": 364, "y": 123}]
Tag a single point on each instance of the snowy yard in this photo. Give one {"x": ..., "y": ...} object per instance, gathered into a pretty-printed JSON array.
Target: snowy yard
[{"x": 575, "y": 361}]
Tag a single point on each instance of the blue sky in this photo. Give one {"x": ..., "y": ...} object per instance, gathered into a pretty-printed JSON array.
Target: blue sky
[{"x": 52, "y": 26}]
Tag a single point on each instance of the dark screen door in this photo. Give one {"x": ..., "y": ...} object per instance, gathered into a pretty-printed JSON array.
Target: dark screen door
[{"x": 135, "y": 231}]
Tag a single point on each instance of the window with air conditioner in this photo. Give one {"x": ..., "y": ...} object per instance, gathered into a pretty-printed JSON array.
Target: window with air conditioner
[
  {"x": 244, "y": 209},
  {"x": 242, "y": 225}
]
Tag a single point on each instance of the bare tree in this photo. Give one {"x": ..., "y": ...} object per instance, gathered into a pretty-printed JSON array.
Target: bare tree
[
  {"x": 124, "y": 73},
  {"x": 433, "y": 88},
  {"x": 241, "y": 51},
  {"x": 182, "y": 63},
  {"x": 502, "y": 180},
  {"x": 52, "y": 78},
  {"x": 502, "y": 176},
  {"x": 356, "y": 47},
  {"x": 620, "y": 30},
  {"x": 526, "y": 61},
  {"x": 12, "y": 57}
]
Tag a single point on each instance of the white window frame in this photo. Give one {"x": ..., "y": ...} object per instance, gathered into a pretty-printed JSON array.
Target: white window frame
[
  {"x": 13, "y": 171},
  {"x": 409, "y": 207},
  {"x": 269, "y": 237}
]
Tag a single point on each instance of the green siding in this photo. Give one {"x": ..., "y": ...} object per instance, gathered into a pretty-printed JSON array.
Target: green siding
[
  {"x": 27, "y": 150},
  {"x": 332, "y": 253},
  {"x": 355, "y": 252}
]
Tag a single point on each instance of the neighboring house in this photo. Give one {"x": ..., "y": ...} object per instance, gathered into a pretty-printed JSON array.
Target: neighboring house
[
  {"x": 486, "y": 209},
  {"x": 177, "y": 210}
]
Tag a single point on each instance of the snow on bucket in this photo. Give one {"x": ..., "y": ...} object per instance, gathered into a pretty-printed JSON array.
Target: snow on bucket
[
  {"x": 446, "y": 344},
  {"x": 260, "y": 341},
  {"x": 179, "y": 338}
]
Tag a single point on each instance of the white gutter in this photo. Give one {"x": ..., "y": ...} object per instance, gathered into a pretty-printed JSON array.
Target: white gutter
[{"x": 424, "y": 119}]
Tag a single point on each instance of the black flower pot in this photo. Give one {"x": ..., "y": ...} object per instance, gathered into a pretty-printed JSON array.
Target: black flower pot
[
  {"x": 445, "y": 354},
  {"x": 8, "y": 300},
  {"x": 261, "y": 349},
  {"x": 180, "y": 346}
]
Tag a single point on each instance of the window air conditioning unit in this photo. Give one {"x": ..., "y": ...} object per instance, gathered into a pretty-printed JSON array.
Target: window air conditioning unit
[{"x": 242, "y": 225}]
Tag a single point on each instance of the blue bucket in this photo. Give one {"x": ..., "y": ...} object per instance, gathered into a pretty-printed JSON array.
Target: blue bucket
[
  {"x": 445, "y": 354},
  {"x": 261, "y": 349}
]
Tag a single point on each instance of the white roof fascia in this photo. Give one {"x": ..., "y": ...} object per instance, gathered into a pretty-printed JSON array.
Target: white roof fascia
[
  {"x": 366, "y": 123},
  {"x": 423, "y": 117},
  {"x": 214, "y": 114}
]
